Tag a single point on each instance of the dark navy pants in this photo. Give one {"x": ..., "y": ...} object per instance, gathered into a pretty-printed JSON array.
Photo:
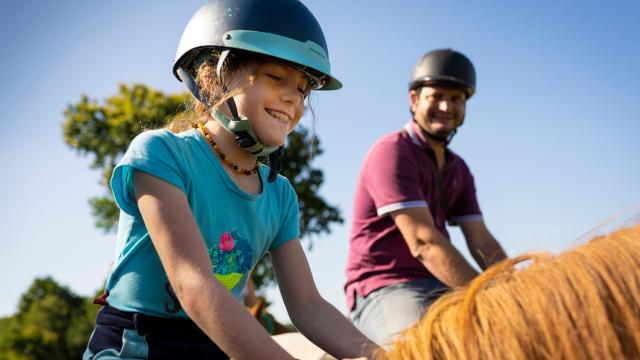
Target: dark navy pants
[{"x": 126, "y": 335}]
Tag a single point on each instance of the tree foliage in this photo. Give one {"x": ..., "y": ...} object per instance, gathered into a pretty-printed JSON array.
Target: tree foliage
[
  {"x": 105, "y": 129},
  {"x": 51, "y": 323}
]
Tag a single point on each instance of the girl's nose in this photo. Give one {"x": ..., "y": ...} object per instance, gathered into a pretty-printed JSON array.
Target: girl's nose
[{"x": 290, "y": 94}]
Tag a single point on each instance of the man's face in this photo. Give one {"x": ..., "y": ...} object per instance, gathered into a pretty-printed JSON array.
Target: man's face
[{"x": 439, "y": 110}]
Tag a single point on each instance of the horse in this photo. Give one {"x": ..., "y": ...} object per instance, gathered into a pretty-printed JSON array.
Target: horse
[{"x": 581, "y": 304}]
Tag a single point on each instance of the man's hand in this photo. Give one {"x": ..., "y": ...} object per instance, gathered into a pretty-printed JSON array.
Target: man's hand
[{"x": 484, "y": 248}]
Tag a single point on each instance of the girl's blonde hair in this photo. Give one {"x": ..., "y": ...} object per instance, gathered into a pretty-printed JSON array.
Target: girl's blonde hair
[
  {"x": 581, "y": 304},
  {"x": 210, "y": 87}
]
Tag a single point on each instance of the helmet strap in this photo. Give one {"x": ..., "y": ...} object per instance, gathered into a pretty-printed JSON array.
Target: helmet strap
[
  {"x": 247, "y": 140},
  {"x": 274, "y": 163},
  {"x": 245, "y": 136},
  {"x": 445, "y": 140},
  {"x": 190, "y": 83},
  {"x": 240, "y": 127},
  {"x": 441, "y": 139}
]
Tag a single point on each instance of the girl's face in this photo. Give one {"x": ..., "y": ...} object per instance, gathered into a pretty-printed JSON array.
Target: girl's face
[{"x": 274, "y": 103}]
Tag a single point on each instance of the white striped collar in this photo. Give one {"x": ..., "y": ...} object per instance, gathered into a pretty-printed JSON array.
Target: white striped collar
[{"x": 412, "y": 133}]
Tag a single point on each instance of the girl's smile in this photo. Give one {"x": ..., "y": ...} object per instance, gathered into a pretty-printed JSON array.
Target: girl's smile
[
  {"x": 274, "y": 101},
  {"x": 280, "y": 115}
]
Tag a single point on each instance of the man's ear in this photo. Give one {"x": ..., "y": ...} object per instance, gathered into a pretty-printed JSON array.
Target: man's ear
[{"x": 414, "y": 98}]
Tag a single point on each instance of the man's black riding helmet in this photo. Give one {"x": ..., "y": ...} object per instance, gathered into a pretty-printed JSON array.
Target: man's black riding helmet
[{"x": 444, "y": 66}]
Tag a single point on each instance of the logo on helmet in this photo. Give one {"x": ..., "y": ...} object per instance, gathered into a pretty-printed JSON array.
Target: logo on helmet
[{"x": 317, "y": 53}]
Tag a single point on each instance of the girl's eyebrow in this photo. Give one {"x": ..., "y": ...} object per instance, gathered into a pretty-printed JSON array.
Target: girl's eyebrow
[{"x": 276, "y": 64}]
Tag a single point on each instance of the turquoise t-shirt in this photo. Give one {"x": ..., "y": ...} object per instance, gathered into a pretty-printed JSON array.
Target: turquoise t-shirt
[{"x": 238, "y": 228}]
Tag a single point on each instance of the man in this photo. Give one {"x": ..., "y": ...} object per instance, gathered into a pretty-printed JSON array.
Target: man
[{"x": 400, "y": 255}]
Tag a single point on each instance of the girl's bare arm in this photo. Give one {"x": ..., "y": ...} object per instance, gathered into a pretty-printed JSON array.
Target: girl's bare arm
[
  {"x": 318, "y": 320},
  {"x": 181, "y": 247}
]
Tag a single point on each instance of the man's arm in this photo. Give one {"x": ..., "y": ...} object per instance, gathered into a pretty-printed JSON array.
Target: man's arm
[
  {"x": 484, "y": 248},
  {"x": 431, "y": 248}
]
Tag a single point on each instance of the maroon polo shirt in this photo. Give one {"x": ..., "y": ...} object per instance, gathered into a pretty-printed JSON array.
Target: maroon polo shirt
[{"x": 396, "y": 175}]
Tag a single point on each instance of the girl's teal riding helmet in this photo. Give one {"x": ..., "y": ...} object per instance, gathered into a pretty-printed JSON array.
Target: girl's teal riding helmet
[{"x": 283, "y": 29}]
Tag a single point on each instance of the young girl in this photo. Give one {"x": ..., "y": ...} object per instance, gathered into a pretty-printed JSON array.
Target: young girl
[{"x": 198, "y": 211}]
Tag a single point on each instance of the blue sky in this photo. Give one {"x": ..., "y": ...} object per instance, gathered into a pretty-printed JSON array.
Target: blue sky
[{"x": 551, "y": 135}]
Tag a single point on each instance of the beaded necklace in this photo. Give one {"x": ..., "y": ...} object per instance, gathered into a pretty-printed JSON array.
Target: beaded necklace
[{"x": 222, "y": 156}]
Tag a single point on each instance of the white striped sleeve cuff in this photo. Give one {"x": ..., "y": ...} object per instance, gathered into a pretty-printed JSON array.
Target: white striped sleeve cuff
[
  {"x": 399, "y": 206},
  {"x": 456, "y": 220}
]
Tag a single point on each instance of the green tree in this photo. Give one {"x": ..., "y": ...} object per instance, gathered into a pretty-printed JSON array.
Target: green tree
[
  {"x": 105, "y": 129},
  {"x": 51, "y": 323}
]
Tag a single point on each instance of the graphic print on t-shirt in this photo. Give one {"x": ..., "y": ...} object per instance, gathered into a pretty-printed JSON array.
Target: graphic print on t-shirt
[{"x": 231, "y": 259}]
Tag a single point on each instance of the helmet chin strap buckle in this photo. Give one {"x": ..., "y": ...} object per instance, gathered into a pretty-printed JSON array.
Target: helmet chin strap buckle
[
  {"x": 244, "y": 139},
  {"x": 245, "y": 136},
  {"x": 247, "y": 139}
]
